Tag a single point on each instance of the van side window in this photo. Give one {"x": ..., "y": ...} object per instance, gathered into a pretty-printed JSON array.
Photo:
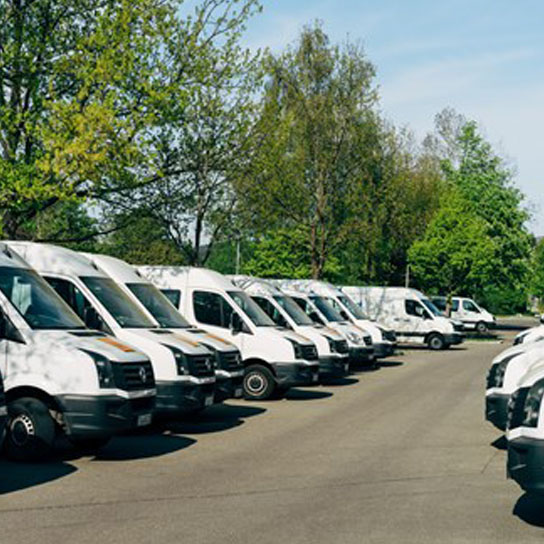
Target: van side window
[
  {"x": 174, "y": 296},
  {"x": 413, "y": 307},
  {"x": 71, "y": 295},
  {"x": 308, "y": 310},
  {"x": 271, "y": 311},
  {"x": 454, "y": 305},
  {"x": 469, "y": 306},
  {"x": 212, "y": 309}
]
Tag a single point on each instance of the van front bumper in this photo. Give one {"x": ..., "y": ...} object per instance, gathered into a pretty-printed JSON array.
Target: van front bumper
[
  {"x": 383, "y": 349},
  {"x": 293, "y": 374},
  {"x": 362, "y": 355},
  {"x": 104, "y": 415},
  {"x": 525, "y": 463},
  {"x": 333, "y": 366},
  {"x": 496, "y": 410},
  {"x": 228, "y": 385},
  {"x": 177, "y": 398},
  {"x": 454, "y": 338}
]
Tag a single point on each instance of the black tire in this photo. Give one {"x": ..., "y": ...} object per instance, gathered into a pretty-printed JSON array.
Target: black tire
[
  {"x": 259, "y": 383},
  {"x": 436, "y": 342},
  {"x": 30, "y": 430},
  {"x": 481, "y": 327},
  {"x": 90, "y": 444}
]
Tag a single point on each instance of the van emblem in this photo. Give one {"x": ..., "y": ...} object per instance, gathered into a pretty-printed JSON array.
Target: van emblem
[{"x": 143, "y": 374}]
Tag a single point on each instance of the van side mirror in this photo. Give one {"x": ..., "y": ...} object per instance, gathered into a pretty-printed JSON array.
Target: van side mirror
[
  {"x": 236, "y": 323},
  {"x": 92, "y": 319},
  {"x": 8, "y": 331}
]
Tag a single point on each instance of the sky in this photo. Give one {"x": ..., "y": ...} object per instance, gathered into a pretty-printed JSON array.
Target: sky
[{"x": 485, "y": 58}]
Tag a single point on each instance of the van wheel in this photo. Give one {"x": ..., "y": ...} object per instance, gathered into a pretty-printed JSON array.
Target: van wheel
[
  {"x": 436, "y": 342},
  {"x": 30, "y": 430},
  {"x": 90, "y": 444},
  {"x": 481, "y": 327},
  {"x": 259, "y": 383}
]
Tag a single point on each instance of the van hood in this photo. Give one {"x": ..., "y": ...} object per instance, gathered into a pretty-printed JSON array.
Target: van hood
[
  {"x": 88, "y": 340},
  {"x": 205, "y": 338},
  {"x": 533, "y": 374},
  {"x": 166, "y": 337},
  {"x": 300, "y": 338}
]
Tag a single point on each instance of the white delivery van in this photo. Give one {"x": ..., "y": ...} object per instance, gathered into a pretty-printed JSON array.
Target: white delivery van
[
  {"x": 58, "y": 375},
  {"x": 413, "y": 317},
  {"x": 533, "y": 334},
  {"x": 383, "y": 338},
  {"x": 465, "y": 310},
  {"x": 3, "y": 407},
  {"x": 506, "y": 370},
  {"x": 274, "y": 359},
  {"x": 332, "y": 348},
  {"x": 229, "y": 371},
  {"x": 525, "y": 432},
  {"x": 361, "y": 350},
  {"x": 183, "y": 370}
]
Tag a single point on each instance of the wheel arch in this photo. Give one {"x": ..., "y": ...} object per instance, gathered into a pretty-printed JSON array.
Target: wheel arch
[{"x": 256, "y": 361}]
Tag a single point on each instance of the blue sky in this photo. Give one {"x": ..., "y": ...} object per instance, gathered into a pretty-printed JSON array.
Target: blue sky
[{"x": 485, "y": 58}]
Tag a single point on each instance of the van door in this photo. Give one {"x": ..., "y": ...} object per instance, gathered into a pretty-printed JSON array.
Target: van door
[
  {"x": 469, "y": 312},
  {"x": 412, "y": 320}
]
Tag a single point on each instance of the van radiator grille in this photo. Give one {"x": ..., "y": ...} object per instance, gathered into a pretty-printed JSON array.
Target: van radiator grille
[{"x": 133, "y": 376}]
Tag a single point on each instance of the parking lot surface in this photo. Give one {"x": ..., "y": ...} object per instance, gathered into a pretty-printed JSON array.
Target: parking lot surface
[{"x": 402, "y": 454}]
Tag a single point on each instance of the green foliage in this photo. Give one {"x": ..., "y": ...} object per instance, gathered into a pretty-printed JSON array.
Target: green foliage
[{"x": 537, "y": 267}]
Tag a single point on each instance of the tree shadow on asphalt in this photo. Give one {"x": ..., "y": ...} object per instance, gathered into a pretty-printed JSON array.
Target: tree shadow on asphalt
[
  {"x": 501, "y": 443},
  {"x": 306, "y": 394},
  {"x": 390, "y": 364},
  {"x": 18, "y": 476},
  {"x": 338, "y": 382},
  {"x": 215, "y": 419},
  {"x": 530, "y": 509}
]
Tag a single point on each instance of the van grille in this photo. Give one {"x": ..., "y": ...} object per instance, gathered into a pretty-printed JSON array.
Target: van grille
[
  {"x": 389, "y": 335},
  {"x": 200, "y": 365},
  {"x": 309, "y": 352},
  {"x": 132, "y": 376},
  {"x": 229, "y": 360},
  {"x": 341, "y": 346},
  {"x": 516, "y": 408}
]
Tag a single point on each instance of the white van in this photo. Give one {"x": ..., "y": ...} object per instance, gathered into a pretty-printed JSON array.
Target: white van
[
  {"x": 414, "y": 318},
  {"x": 332, "y": 348},
  {"x": 3, "y": 407},
  {"x": 503, "y": 377},
  {"x": 383, "y": 339},
  {"x": 58, "y": 375},
  {"x": 183, "y": 370},
  {"x": 465, "y": 310},
  {"x": 361, "y": 350},
  {"x": 528, "y": 336},
  {"x": 525, "y": 432},
  {"x": 274, "y": 359},
  {"x": 229, "y": 370}
]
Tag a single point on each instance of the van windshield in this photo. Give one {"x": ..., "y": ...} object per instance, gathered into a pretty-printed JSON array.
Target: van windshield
[
  {"x": 431, "y": 307},
  {"x": 293, "y": 310},
  {"x": 158, "y": 306},
  {"x": 118, "y": 304},
  {"x": 353, "y": 308},
  {"x": 326, "y": 309},
  {"x": 251, "y": 309},
  {"x": 36, "y": 301}
]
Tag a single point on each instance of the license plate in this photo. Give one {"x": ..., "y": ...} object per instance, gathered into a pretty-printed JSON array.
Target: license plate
[
  {"x": 346, "y": 367},
  {"x": 144, "y": 419},
  {"x": 315, "y": 377},
  {"x": 238, "y": 392},
  {"x": 208, "y": 401}
]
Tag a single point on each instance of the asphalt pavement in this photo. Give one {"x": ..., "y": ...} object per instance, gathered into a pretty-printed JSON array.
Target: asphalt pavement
[{"x": 398, "y": 455}]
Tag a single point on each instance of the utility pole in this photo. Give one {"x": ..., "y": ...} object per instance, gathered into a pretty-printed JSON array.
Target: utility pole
[
  {"x": 238, "y": 255},
  {"x": 407, "y": 276}
]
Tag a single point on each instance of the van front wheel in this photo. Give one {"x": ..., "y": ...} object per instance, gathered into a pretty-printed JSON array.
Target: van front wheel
[
  {"x": 481, "y": 327},
  {"x": 30, "y": 430},
  {"x": 259, "y": 383},
  {"x": 436, "y": 342}
]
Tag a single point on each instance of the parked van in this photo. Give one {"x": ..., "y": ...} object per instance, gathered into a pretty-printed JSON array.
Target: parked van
[
  {"x": 465, "y": 310},
  {"x": 505, "y": 373},
  {"x": 361, "y": 350},
  {"x": 3, "y": 407},
  {"x": 58, "y": 375},
  {"x": 183, "y": 370},
  {"x": 383, "y": 338},
  {"x": 229, "y": 371},
  {"x": 332, "y": 348},
  {"x": 274, "y": 359},
  {"x": 525, "y": 432},
  {"x": 413, "y": 317},
  {"x": 528, "y": 336}
]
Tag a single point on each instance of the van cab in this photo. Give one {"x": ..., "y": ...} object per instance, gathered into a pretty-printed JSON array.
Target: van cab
[
  {"x": 465, "y": 310},
  {"x": 229, "y": 371},
  {"x": 183, "y": 370},
  {"x": 525, "y": 432},
  {"x": 361, "y": 350},
  {"x": 332, "y": 348},
  {"x": 383, "y": 338},
  {"x": 274, "y": 359},
  {"x": 60, "y": 377},
  {"x": 413, "y": 317},
  {"x": 506, "y": 371}
]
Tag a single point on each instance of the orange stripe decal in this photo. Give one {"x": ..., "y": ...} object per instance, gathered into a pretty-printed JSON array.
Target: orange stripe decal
[{"x": 115, "y": 344}]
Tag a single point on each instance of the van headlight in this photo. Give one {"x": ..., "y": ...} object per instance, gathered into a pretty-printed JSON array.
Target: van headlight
[
  {"x": 531, "y": 408},
  {"x": 182, "y": 365},
  {"x": 104, "y": 370},
  {"x": 332, "y": 344},
  {"x": 355, "y": 338},
  {"x": 495, "y": 376},
  {"x": 297, "y": 348}
]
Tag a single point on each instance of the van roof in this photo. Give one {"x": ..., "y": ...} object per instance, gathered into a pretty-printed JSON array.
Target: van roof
[
  {"x": 393, "y": 292},
  {"x": 47, "y": 258},
  {"x": 183, "y": 276},
  {"x": 9, "y": 257},
  {"x": 255, "y": 286},
  {"x": 117, "y": 269},
  {"x": 316, "y": 287}
]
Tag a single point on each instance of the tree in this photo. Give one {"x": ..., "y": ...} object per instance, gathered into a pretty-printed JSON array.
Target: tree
[{"x": 315, "y": 122}]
